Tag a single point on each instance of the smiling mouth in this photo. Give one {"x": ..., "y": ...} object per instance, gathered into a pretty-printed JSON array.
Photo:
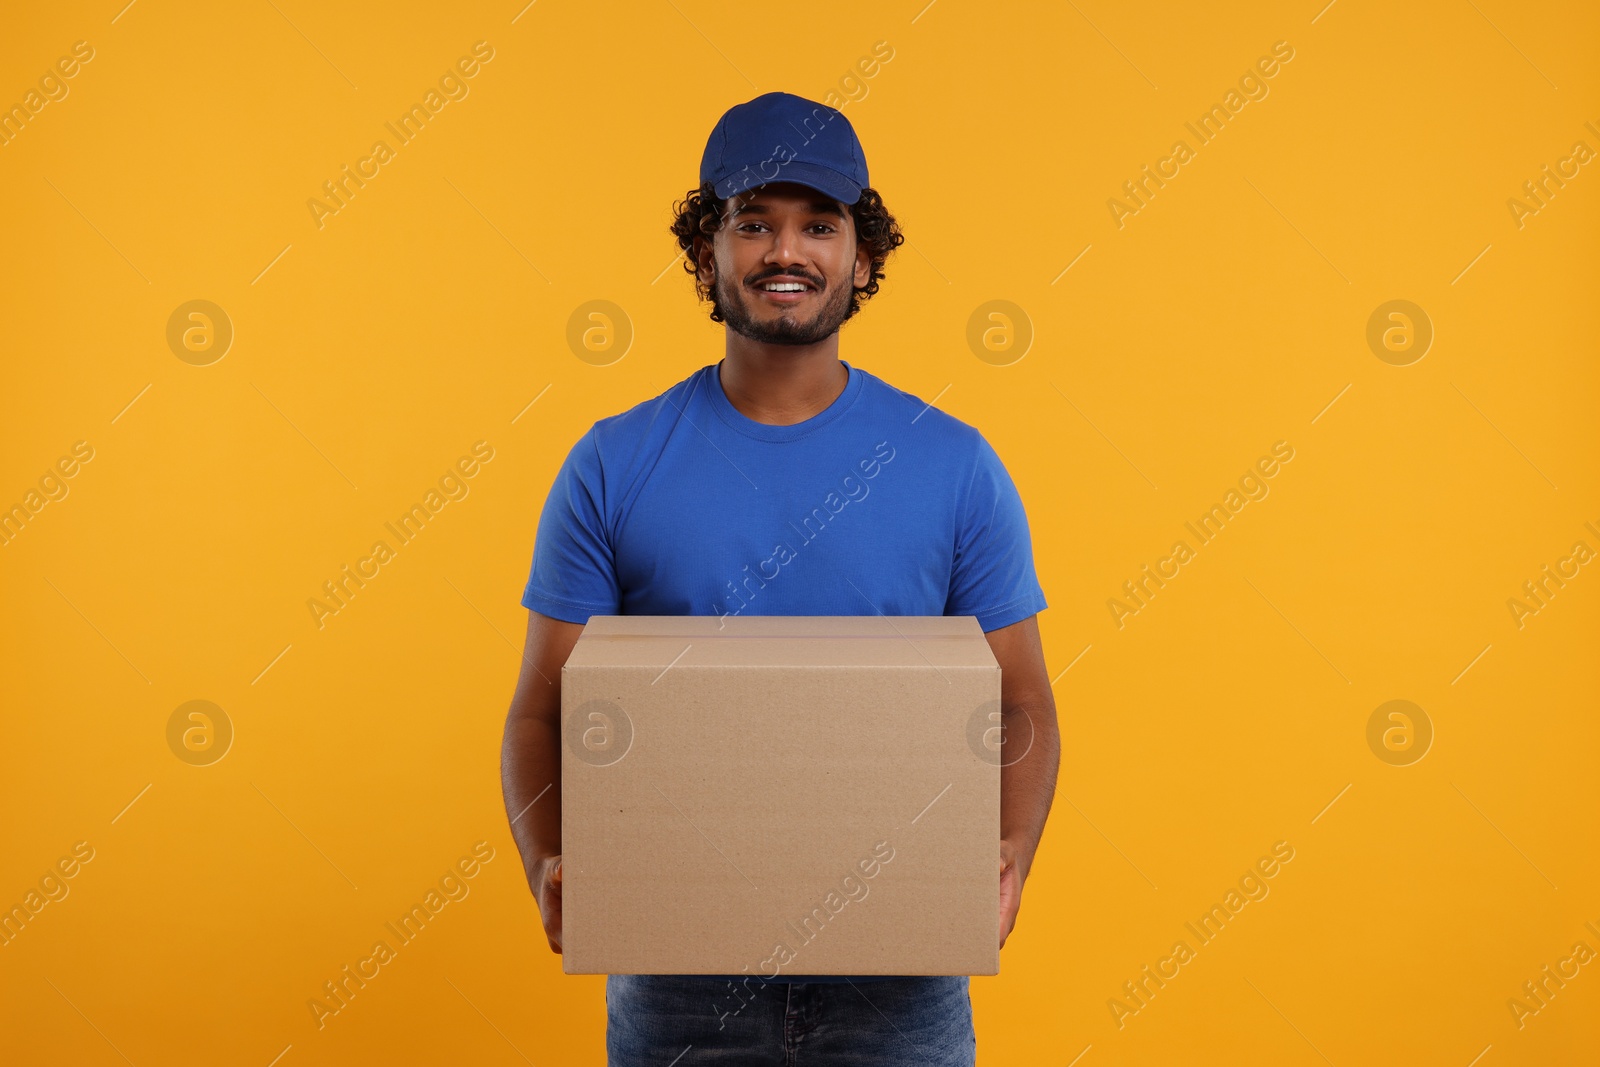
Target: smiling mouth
[{"x": 789, "y": 294}]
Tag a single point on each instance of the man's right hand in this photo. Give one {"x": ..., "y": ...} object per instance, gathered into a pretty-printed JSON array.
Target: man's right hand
[
  {"x": 530, "y": 763},
  {"x": 546, "y": 886}
]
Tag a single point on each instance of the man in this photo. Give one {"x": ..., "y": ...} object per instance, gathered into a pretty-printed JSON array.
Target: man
[{"x": 783, "y": 481}]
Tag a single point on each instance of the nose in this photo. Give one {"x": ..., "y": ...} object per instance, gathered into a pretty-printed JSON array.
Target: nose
[{"x": 786, "y": 246}]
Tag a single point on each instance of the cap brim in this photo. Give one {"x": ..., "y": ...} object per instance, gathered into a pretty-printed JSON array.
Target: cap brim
[{"x": 829, "y": 182}]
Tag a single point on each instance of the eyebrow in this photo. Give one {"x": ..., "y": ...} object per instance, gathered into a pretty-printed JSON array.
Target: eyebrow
[{"x": 816, "y": 207}]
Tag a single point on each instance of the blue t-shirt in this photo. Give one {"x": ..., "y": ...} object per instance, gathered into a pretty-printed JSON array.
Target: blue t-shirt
[{"x": 878, "y": 504}]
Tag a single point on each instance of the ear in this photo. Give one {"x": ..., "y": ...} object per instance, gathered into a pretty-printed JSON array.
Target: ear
[
  {"x": 705, "y": 259},
  {"x": 863, "y": 273}
]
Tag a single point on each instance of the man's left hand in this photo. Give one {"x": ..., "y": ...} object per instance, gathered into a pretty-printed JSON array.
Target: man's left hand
[{"x": 1010, "y": 889}]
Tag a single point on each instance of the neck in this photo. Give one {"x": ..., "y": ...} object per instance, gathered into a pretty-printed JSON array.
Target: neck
[{"x": 782, "y": 384}]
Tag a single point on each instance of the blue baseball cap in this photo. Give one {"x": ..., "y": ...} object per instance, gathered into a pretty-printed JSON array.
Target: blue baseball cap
[{"x": 780, "y": 137}]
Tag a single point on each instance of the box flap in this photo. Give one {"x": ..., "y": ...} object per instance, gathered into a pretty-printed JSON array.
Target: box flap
[{"x": 689, "y": 641}]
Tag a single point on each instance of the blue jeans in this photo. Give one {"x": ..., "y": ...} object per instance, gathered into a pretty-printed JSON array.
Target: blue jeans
[{"x": 682, "y": 1021}]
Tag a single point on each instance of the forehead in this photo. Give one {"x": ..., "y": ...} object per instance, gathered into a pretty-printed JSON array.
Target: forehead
[{"x": 776, "y": 197}]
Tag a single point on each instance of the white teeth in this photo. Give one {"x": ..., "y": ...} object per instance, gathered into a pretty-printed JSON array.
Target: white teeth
[{"x": 784, "y": 287}]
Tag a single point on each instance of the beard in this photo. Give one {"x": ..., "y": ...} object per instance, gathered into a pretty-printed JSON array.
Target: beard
[{"x": 786, "y": 327}]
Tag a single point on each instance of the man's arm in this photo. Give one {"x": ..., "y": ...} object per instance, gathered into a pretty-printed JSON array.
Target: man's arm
[
  {"x": 530, "y": 763},
  {"x": 1030, "y": 754}
]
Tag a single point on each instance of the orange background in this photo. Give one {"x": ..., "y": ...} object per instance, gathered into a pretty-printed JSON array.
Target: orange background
[{"x": 1229, "y": 313}]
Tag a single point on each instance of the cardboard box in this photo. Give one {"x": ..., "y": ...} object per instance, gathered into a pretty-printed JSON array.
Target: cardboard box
[{"x": 780, "y": 795}]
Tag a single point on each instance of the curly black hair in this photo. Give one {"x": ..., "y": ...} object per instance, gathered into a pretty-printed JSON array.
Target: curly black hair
[{"x": 700, "y": 215}]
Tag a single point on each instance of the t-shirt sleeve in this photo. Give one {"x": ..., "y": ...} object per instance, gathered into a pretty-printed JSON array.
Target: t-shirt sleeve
[
  {"x": 574, "y": 573},
  {"x": 993, "y": 576}
]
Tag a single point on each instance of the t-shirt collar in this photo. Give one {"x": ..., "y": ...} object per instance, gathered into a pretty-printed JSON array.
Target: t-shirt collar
[{"x": 762, "y": 431}]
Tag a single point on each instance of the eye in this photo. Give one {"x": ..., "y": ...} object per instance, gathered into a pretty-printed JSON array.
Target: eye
[{"x": 753, "y": 226}]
